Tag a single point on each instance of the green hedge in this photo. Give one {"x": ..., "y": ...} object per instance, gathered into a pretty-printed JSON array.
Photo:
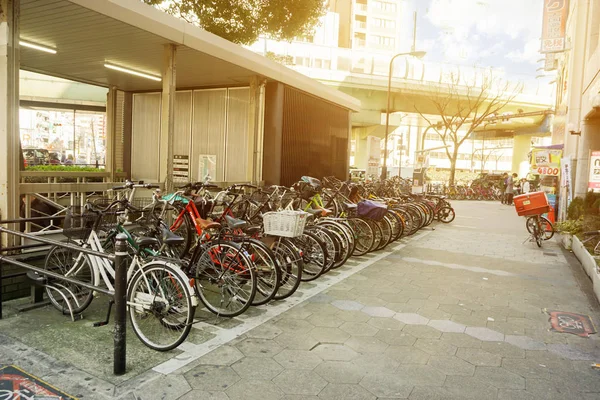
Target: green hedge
[{"x": 61, "y": 168}]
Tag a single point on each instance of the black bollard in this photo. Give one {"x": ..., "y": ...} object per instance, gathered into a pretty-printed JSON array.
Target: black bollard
[{"x": 120, "y": 346}]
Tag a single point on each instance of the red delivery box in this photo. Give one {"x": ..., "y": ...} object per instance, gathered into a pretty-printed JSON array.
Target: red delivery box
[{"x": 535, "y": 203}]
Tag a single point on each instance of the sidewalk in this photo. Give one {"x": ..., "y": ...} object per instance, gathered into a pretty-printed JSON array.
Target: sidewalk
[{"x": 455, "y": 313}]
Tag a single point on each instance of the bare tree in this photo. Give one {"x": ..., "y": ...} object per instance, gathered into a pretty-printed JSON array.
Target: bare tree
[{"x": 464, "y": 106}]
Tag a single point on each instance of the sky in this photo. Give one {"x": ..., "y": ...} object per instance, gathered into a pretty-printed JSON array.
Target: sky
[{"x": 504, "y": 34}]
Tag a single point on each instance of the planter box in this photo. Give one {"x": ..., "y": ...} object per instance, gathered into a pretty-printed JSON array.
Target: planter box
[
  {"x": 589, "y": 264},
  {"x": 566, "y": 239}
]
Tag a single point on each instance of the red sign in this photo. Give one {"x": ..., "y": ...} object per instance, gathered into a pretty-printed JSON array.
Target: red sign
[
  {"x": 548, "y": 171},
  {"x": 554, "y": 25},
  {"x": 594, "y": 181}
]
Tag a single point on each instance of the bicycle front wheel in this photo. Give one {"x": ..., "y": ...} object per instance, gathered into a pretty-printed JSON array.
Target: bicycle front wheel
[{"x": 160, "y": 303}]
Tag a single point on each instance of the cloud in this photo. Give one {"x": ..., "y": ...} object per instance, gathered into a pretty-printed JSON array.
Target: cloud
[
  {"x": 474, "y": 29},
  {"x": 530, "y": 53}
]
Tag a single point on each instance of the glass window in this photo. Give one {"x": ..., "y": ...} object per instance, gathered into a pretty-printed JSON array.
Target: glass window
[{"x": 66, "y": 137}]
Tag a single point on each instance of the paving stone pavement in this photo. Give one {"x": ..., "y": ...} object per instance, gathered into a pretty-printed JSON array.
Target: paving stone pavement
[{"x": 458, "y": 313}]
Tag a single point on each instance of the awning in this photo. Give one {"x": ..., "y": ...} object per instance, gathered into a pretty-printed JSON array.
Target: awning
[{"x": 86, "y": 34}]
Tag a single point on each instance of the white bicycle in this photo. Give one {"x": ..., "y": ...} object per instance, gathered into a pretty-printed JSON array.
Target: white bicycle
[{"x": 161, "y": 303}]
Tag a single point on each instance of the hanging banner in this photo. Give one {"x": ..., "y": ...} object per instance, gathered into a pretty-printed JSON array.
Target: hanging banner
[
  {"x": 566, "y": 177},
  {"x": 594, "y": 181},
  {"x": 554, "y": 25}
]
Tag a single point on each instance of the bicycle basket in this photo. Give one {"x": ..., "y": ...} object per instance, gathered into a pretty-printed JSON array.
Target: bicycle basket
[
  {"x": 285, "y": 223},
  {"x": 372, "y": 210},
  {"x": 204, "y": 206},
  {"x": 78, "y": 222},
  {"x": 138, "y": 210}
]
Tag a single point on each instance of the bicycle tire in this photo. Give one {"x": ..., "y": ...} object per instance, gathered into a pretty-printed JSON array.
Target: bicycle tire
[
  {"x": 377, "y": 235},
  {"x": 446, "y": 215},
  {"x": 344, "y": 240},
  {"x": 268, "y": 273},
  {"x": 291, "y": 265},
  {"x": 225, "y": 269},
  {"x": 548, "y": 234},
  {"x": 62, "y": 261},
  {"x": 171, "y": 307},
  {"x": 331, "y": 244},
  {"x": 363, "y": 236},
  {"x": 314, "y": 255}
]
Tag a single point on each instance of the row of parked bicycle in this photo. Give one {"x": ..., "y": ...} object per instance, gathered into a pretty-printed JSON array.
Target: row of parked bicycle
[{"x": 230, "y": 248}]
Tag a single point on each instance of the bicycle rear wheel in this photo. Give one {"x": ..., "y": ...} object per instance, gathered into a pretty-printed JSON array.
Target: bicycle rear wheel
[
  {"x": 545, "y": 224},
  {"x": 364, "y": 236},
  {"x": 225, "y": 278},
  {"x": 74, "y": 265},
  {"x": 160, "y": 305},
  {"x": 314, "y": 255}
]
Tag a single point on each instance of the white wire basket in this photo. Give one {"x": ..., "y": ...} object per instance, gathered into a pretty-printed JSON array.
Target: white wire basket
[{"x": 285, "y": 223}]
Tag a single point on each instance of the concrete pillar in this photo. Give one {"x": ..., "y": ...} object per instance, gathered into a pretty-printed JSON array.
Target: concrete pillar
[
  {"x": 273, "y": 133},
  {"x": 111, "y": 110},
  {"x": 590, "y": 140},
  {"x": 360, "y": 147},
  {"x": 521, "y": 147},
  {"x": 256, "y": 107},
  {"x": 167, "y": 122},
  {"x": 9, "y": 110}
]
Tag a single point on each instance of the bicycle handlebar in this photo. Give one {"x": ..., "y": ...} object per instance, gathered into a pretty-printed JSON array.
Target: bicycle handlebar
[
  {"x": 591, "y": 233},
  {"x": 131, "y": 185}
]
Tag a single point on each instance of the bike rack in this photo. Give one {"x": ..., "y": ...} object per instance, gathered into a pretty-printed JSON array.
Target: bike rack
[{"x": 120, "y": 259}]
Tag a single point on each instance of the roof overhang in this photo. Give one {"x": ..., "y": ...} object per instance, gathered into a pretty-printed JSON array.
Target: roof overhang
[{"x": 89, "y": 33}]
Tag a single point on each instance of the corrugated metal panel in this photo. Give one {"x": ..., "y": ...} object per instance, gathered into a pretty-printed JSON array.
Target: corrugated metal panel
[
  {"x": 208, "y": 129},
  {"x": 236, "y": 160},
  {"x": 317, "y": 145},
  {"x": 120, "y": 131},
  {"x": 183, "y": 123},
  {"x": 145, "y": 137}
]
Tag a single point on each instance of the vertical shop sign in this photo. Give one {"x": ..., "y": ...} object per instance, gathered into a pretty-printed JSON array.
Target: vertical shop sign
[
  {"x": 566, "y": 175},
  {"x": 594, "y": 181},
  {"x": 554, "y": 25}
]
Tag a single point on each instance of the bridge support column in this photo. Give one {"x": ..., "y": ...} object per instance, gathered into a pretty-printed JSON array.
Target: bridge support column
[
  {"x": 167, "y": 122},
  {"x": 9, "y": 110},
  {"x": 590, "y": 140},
  {"x": 521, "y": 147}
]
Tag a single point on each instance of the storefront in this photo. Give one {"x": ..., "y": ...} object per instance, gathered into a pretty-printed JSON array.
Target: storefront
[{"x": 546, "y": 164}]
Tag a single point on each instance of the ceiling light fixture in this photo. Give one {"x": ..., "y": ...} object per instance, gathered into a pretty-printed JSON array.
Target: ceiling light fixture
[
  {"x": 37, "y": 47},
  {"x": 132, "y": 72}
]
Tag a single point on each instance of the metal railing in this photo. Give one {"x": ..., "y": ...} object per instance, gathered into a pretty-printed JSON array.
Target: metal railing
[{"x": 120, "y": 260}]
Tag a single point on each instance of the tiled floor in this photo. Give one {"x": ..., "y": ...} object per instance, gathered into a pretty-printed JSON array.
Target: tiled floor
[{"x": 458, "y": 313}]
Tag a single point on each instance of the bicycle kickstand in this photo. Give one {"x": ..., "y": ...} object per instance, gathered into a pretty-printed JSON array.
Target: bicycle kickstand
[{"x": 102, "y": 323}]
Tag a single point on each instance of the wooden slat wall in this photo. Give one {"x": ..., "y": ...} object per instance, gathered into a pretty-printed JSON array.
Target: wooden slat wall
[{"x": 314, "y": 139}]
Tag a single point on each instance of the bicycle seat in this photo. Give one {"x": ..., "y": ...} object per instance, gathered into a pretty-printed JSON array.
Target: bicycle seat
[
  {"x": 145, "y": 241},
  {"x": 251, "y": 230},
  {"x": 351, "y": 206},
  {"x": 235, "y": 223},
  {"x": 206, "y": 224},
  {"x": 313, "y": 211},
  {"x": 170, "y": 238}
]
